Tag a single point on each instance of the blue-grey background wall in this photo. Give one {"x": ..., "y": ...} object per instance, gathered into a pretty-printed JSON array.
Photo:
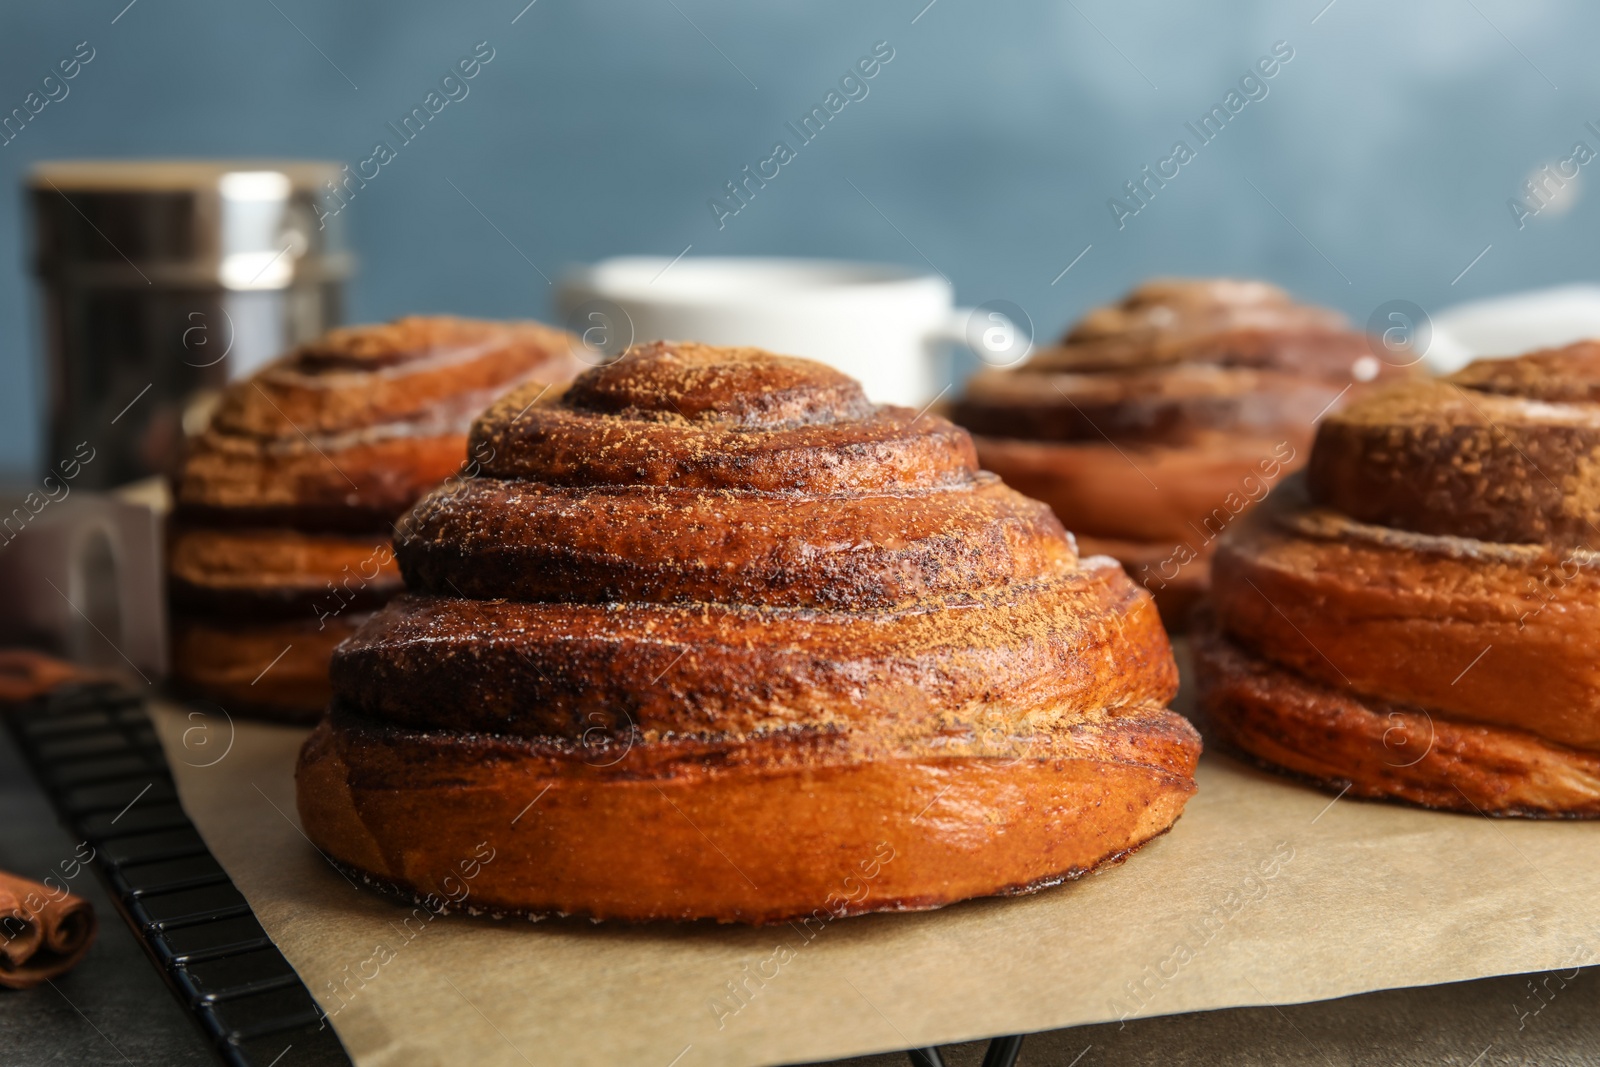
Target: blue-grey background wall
[{"x": 1378, "y": 165}]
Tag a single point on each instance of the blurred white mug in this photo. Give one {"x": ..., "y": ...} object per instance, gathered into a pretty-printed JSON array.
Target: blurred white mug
[
  {"x": 1505, "y": 326},
  {"x": 888, "y": 326}
]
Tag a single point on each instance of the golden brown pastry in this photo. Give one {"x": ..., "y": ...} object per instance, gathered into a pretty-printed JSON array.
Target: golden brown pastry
[
  {"x": 1420, "y": 622},
  {"x": 1159, "y": 420},
  {"x": 714, "y": 637},
  {"x": 285, "y": 504}
]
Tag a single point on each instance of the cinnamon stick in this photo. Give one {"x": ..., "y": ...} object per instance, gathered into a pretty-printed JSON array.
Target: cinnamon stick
[
  {"x": 44, "y": 932},
  {"x": 26, "y": 674}
]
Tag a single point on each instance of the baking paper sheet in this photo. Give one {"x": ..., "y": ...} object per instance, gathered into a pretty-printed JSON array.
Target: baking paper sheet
[{"x": 1266, "y": 892}]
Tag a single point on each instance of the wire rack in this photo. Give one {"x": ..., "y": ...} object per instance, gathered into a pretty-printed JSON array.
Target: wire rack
[{"x": 97, "y": 758}]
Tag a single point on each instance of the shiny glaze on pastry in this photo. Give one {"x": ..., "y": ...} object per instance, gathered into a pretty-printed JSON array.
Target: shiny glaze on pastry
[{"x": 736, "y": 634}]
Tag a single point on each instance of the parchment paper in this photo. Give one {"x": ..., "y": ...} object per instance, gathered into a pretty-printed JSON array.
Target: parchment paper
[{"x": 1266, "y": 892}]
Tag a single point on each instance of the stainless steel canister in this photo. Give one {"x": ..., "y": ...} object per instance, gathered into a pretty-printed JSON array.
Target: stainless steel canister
[{"x": 163, "y": 279}]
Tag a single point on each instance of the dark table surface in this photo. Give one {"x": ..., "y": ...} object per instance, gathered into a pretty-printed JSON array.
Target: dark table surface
[{"x": 114, "y": 1008}]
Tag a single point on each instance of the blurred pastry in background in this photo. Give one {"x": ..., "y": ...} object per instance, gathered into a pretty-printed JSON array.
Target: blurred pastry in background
[
  {"x": 1159, "y": 420},
  {"x": 280, "y": 544},
  {"x": 1417, "y": 621}
]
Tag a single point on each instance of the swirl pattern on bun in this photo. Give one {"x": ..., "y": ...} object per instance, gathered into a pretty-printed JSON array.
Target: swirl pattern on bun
[
  {"x": 1159, "y": 420},
  {"x": 726, "y": 641},
  {"x": 1418, "y": 621},
  {"x": 286, "y": 502}
]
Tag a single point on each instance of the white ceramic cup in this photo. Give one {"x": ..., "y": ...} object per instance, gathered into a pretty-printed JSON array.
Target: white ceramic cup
[
  {"x": 888, "y": 326},
  {"x": 1510, "y": 325}
]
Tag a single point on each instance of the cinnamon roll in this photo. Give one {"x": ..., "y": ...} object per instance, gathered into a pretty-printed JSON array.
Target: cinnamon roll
[
  {"x": 1159, "y": 420},
  {"x": 1417, "y": 622},
  {"x": 713, "y": 637},
  {"x": 284, "y": 506}
]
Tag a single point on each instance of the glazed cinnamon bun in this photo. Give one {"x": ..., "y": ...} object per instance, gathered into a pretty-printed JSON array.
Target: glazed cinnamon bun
[
  {"x": 1159, "y": 420},
  {"x": 284, "y": 506},
  {"x": 1418, "y": 621},
  {"x": 713, "y": 637}
]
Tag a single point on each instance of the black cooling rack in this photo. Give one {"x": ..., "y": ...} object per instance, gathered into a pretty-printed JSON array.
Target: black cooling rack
[{"x": 97, "y": 757}]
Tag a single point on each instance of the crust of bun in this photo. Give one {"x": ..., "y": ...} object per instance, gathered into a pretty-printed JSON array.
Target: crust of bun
[
  {"x": 782, "y": 828},
  {"x": 1343, "y": 741},
  {"x": 1451, "y": 624},
  {"x": 1493, "y": 453}
]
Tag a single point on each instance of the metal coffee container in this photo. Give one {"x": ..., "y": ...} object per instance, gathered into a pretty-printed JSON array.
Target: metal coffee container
[{"x": 163, "y": 279}]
